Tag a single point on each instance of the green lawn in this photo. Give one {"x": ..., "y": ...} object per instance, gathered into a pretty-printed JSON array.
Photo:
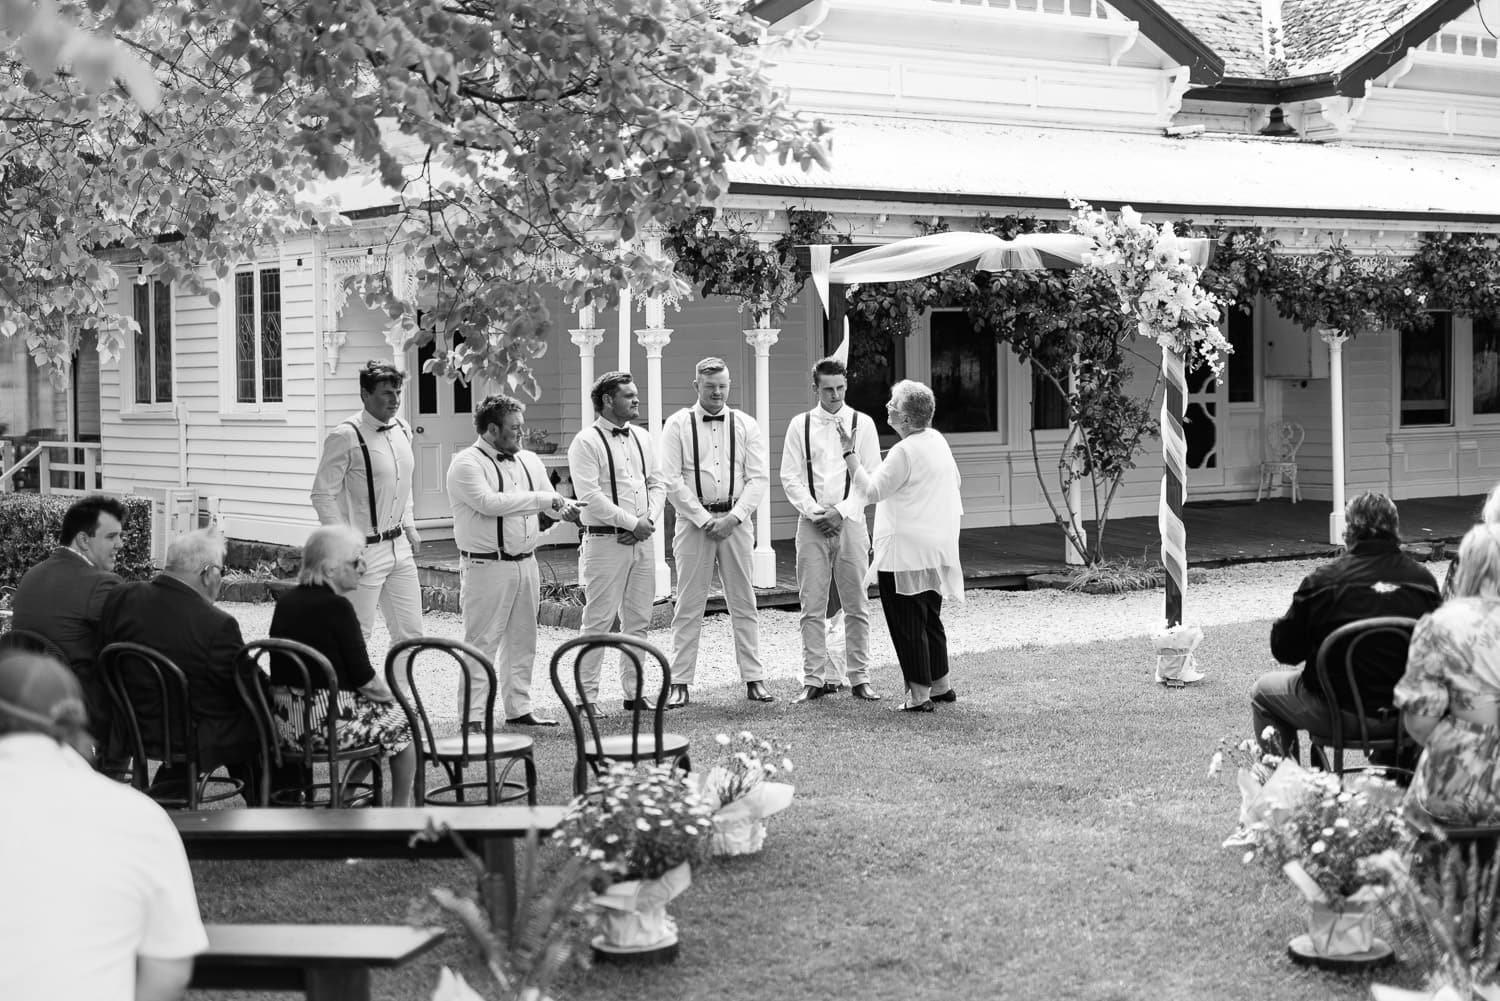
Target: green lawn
[{"x": 1051, "y": 835}]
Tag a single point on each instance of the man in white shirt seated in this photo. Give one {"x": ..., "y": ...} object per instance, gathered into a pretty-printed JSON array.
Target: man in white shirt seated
[{"x": 98, "y": 900}]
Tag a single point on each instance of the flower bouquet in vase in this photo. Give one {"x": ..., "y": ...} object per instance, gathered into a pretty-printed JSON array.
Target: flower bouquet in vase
[
  {"x": 739, "y": 786},
  {"x": 644, "y": 827},
  {"x": 1319, "y": 831},
  {"x": 1176, "y": 667}
]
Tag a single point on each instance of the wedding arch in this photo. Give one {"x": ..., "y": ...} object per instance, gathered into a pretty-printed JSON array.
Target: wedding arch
[{"x": 1156, "y": 273}]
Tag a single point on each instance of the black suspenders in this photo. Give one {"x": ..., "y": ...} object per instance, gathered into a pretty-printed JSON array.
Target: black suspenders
[
  {"x": 812, "y": 486},
  {"x": 698, "y": 476},
  {"x": 500, "y": 488},
  {"x": 609, "y": 454},
  {"x": 370, "y": 474}
]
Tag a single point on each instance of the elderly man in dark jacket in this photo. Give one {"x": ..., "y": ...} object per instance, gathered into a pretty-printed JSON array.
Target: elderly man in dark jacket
[
  {"x": 174, "y": 614},
  {"x": 1374, "y": 577}
]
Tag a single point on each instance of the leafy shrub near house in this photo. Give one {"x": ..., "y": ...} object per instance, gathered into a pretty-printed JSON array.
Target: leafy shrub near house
[{"x": 29, "y": 524}]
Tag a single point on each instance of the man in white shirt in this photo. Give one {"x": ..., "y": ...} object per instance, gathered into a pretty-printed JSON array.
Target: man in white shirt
[
  {"x": 497, "y": 490},
  {"x": 364, "y": 480},
  {"x": 833, "y": 544},
  {"x": 716, "y": 477},
  {"x": 98, "y": 899},
  {"x": 615, "y": 473}
]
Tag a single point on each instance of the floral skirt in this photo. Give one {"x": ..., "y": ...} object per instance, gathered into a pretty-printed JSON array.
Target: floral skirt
[
  {"x": 1458, "y": 778},
  {"x": 361, "y": 722}
]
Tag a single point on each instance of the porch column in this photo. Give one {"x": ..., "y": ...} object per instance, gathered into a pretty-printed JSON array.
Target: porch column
[
  {"x": 623, "y": 330},
  {"x": 1335, "y": 340},
  {"x": 587, "y": 337},
  {"x": 763, "y": 564},
  {"x": 653, "y": 337}
]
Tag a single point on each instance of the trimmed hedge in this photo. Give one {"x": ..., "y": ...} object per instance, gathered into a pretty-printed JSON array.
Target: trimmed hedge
[{"x": 29, "y": 524}]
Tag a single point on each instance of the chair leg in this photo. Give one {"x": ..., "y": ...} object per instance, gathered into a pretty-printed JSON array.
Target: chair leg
[
  {"x": 530, "y": 781},
  {"x": 1296, "y": 490},
  {"x": 1260, "y": 488}
]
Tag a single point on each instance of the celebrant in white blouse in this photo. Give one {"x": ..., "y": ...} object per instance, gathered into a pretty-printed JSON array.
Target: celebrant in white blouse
[{"x": 916, "y": 565}]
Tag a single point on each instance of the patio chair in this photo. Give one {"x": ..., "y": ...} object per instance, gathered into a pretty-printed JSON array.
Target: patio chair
[
  {"x": 455, "y": 754},
  {"x": 31, "y": 642},
  {"x": 1283, "y": 439},
  {"x": 1379, "y": 728},
  {"x": 318, "y": 744},
  {"x": 139, "y": 678},
  {"x": 593, "y": 750}
]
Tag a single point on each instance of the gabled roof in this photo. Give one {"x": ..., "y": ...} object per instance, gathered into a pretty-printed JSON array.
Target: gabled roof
[{"x": 1326, "y": 47}]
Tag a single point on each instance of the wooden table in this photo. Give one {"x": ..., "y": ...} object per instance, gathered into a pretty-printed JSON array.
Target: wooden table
[
  {"x": 378, "y": 833},
  {"x": 323, "y": 962}
]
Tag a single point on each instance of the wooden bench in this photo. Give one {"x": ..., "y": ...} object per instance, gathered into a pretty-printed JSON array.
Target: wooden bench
[
  {"x": 381, "y": 833},
  {"x": 323, "y": 962}
]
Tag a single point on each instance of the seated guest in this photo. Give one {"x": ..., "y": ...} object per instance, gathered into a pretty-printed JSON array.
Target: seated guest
[
  {"x": 1489, "y": 514},
  {"x": 62, "y": 597},
  {"x": 317, "y": 614},
  {"x": 1374, "y": 577},
  {"x": 98, "y": 897},
  {"x": 174, "y": 614},
  {"x": 1451, "y": 690}
]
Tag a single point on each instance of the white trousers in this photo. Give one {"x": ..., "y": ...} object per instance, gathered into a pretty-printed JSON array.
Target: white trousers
[
  {"x": 843, "y": 561},
  {"x": 390, "y": 581},
  {"x": 696, "y": 556},
  {"x": 499, "y": 600},
  {"x": 619, "y": 584}
]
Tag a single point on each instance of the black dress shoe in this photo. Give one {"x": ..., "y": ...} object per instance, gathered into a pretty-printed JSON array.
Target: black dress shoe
[
  {"x": 530, "y": 720},
  {"x": 474, "y": 726},
  {"x": 865, "y": 692},
  {"x": 599, "y": 711},
  {"x": 756, "y": 691},
  {"x": 677, "y": 697},
  {"x": 810, "y": 692},
  {"x": 949, "y": 696},
  {"x": 639, "y": 705},
  {"x": 920, "y": 707}
]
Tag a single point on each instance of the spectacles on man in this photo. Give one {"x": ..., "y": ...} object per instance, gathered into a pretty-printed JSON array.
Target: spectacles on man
[{"x": 219, "y": 567}]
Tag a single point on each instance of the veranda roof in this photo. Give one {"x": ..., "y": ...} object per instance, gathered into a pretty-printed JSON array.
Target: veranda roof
[{"x": 890, "y": 159}]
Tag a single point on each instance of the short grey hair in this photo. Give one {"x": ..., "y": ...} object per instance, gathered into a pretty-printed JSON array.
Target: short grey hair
[
  {"x": 193, "y": 551},
  {"x": 914, "y": 401},
  {"x": 710, "y": 366},
  {"x": 322, "y": 547},
  {"x": 1371, "y": 515}
]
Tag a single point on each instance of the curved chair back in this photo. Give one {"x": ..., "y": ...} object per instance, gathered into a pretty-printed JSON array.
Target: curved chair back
[
  {"x": 307, "y": 666},
  {"x": 150, "y": 695},
  {"x": 32, "y": 642},
  {"x": 1386, "y": 636},
  {"x": 475, "y": 691},
  {"x": 1283, "y": 439},
  {"x": 567, "y": 681}
]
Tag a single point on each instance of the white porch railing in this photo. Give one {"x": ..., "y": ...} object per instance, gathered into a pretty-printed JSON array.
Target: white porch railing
[{"x": 77, "y": 471}]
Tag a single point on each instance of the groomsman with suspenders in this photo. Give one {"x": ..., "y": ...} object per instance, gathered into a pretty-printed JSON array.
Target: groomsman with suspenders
[
  {"x": 497, "y": 490},
  {"x": 833, "y": 545},
  {"x": 364, "y": 480},
  {"x": 716, "y": 477},
  {"x": 615, "y": 474}
]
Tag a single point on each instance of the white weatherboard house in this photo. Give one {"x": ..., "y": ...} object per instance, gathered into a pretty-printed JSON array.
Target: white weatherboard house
[{"x": 941, "y": 109}]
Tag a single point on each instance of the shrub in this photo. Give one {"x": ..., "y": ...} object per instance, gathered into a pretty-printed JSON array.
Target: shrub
[{"x": 29, "y": 524}]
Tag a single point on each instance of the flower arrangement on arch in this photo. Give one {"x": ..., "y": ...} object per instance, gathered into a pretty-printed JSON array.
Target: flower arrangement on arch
[
  {"x": 745, "y": 786},
  {"x": 1158, "y": 284},
  {"x": 638, "y": 821}
]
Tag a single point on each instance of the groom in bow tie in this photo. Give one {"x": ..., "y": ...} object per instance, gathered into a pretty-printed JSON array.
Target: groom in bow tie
[{"x": 833, "y": 545}]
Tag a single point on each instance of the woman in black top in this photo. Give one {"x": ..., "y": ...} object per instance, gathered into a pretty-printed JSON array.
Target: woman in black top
[{"x": 317, "y": 614}]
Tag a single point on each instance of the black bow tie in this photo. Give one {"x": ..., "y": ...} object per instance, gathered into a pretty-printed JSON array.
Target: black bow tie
[
  {"x": 385, "y": 427},
  {"x": 623, "y": 432},
  {"x": 507, "y": 457},
  {"x": 712, "y": 417}
]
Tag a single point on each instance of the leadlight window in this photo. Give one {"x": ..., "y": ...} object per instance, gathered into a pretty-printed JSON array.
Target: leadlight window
[
  {"x": 257, "y": 336},
  {"x": 1427, "y": 373},
  {"x": 153, "y": 343}
]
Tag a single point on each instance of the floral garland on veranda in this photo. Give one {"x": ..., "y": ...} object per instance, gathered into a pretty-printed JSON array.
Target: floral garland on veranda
[{"x": 1159, "y": 285}]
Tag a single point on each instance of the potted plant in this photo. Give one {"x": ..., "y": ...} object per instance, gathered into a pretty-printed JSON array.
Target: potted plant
[
  {"x": 536, "y": 440},
  {"x": 739, "y": 786},
  {"x": 644, "y": 827},
  {"x": 1319, "y": 829}
]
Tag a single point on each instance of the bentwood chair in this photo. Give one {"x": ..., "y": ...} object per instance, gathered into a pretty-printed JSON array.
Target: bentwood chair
[
  {"x": 31, "y": 642},
  {"x": 594, "y": 751},
  {"x": 316, "y": 742},
  {"x": 1377, "y": 728},
  {"x": 499, "y": 753},
  {"x": 151, "y": 700}
]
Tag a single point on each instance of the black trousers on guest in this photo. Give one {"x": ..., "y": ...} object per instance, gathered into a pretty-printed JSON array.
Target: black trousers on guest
[{"x": 916, "y": 626}]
